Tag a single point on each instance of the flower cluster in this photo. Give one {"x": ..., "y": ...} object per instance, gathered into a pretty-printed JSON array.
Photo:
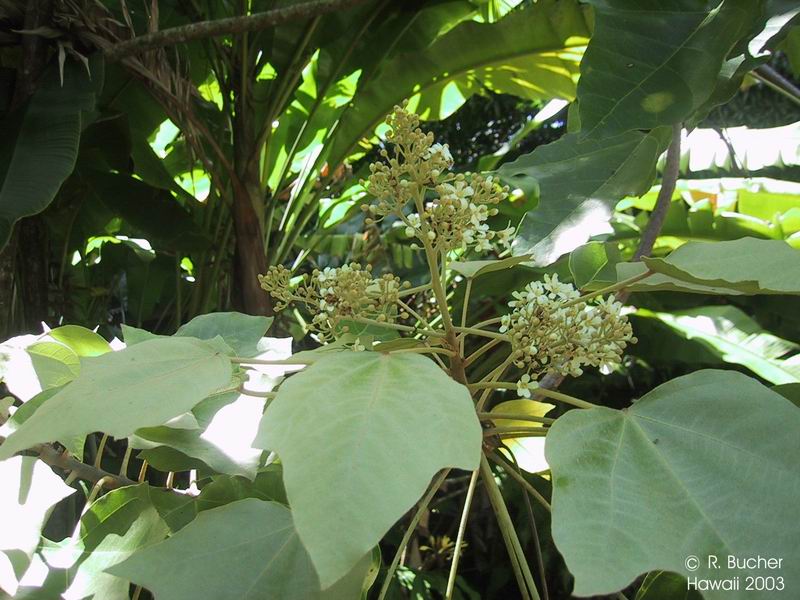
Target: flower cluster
[
  {"x": 336, "y": 294},
  {"x": 552, "y": 331},
  {"x": 449, "y": 210}
]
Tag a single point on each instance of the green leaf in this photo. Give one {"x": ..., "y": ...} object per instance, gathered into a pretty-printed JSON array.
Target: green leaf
[
  {"x": 587, "y": 261},
  {"x": 580, "y": 183},
  {"x": 663, "y": 585},
  {"x": 474, "y": 268},
  {"x": 134, "y": 335},
  {"x": 83, "y": 342},
  {"x": 40, "y": 144},
  {"x": 241, "y": 332},
  {"x": 735, "y": 338},
  {"x": 360, "y": 435},
  {"x": 523, "y": 43},
  {"x": 649, "y": 64},
  {"x": 248, "y": 549},
  {"x": 74, "y": 445},
  {"x": 661, "y": 283},
  {"x": 28, "y": 494},
  {"x": 111, "y": 530},
  {"x": 738, "y": 265},
  {"x": 682, "y": 472},
  {"x": 224, "y": 445},
  {"x": 55, "y": 364},
  {"x": 120, "y": 392}
]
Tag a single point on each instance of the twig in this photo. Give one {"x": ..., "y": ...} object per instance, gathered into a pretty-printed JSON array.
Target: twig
[
  {"x": 462, "y": 527},
  {"x": 668, "y": 181},
  {"x": 412, "y": 526},
  {"x": 777, "y": 82},
  {"x": 521, "y": 480},
  {"x": 62, "y": 460},
  {"x": 231, "y": 25}
]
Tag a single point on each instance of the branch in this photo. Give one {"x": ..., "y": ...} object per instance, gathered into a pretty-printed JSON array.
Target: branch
[
  {"x": 231, "y": 25},
  {"x": 62, "y": 460},
  {"x": 771, "y": 78},
  {"x": 668, "y": 181}
]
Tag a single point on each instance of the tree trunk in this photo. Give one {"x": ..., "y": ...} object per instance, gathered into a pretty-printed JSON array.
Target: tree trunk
[{"x": 248, "y": 204}]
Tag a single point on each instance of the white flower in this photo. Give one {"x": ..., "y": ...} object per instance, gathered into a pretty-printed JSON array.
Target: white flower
[
  {"x": 358, "y": 346},
  {"x": 525, "y": 385}
]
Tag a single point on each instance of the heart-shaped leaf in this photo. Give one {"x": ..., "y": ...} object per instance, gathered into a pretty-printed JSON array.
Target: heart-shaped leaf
[{"x": 360, "y": 434}]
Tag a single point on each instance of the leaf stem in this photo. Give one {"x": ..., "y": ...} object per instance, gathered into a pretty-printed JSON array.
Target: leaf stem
[
  {"x": 521, "y": 480},
  {"x": 540, "y": 391},
  {"x": 399, "y": 327},
  {"x": 421, "y": 508},
  {"x": 480, "y": 351},
  {"x": 525, "y": 582},
  {"x": 241, "y": 389},
  {"x": 483, "y": 333},
  {"x": 491, "y": 416},
  {"x": 609, "y": 289},
  {"x": 462, "y": 527},
  {"x": 529, "y": 431}
]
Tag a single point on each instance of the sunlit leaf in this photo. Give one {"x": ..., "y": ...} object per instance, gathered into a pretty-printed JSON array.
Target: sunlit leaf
[
  {"x": 120, "y": 392},
  {"x": 246, "y": 549},
  {"x": 28, "y": 493},
  {"x": 360, "y": 435},
  {"x": 680, "y": 473}
]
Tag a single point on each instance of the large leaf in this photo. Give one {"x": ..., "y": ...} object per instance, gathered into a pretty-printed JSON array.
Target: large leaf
[
  {"x": 703, "y": 466},
  {"x": 29, "y": 491},
  {"x": 224, "y": 445},
  {"x": 735, "y": 338},
  {"x": 579, "y": 185},
  {"x": 738, "y": 265},
  {"x": 119, "y": 392},
  {"x": 112, "y": 528},
  {"x": 360, "y": 434},
  {"x": 649, "y": 63},
  {"x": 468, "y": 53},
  {"x": 40, "y": 144},
  {"x": 241, "y": 332},
  {"x": 248, "y": 549}
]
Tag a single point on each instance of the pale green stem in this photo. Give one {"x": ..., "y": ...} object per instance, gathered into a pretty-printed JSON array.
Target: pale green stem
[
  {"x": 511, "y": 430},
  {"x": 480, "y": 351},
  {"x": 514, "y": 417},
  {"x": 257, "y": 361},
  {"x": 256, "y": 394},
  {"x": 415, "y": 290},
  {"x": 412, "y": 526},
  {"x": 100, "y": 448},
  {"x": 510, "y": 385},
  {"x": 425, "y": 350},
  {"x": 414, "y": 313},
  {"x": 498, "y": 372},
  {"x": 399, "y": 327},
  {"x": 483, "y": 333},
  {"x": 123, "y": 469},
  {"x": 462, "y": 527},
  {"x": 464, "y": 311},
  {"x": 512, "y": 472},
  {"x": 608, "y": 290},
  {"x": 527, "y": 586}
]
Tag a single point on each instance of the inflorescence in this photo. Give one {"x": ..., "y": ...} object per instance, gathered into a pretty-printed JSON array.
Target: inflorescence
[
  {"x": 334, "y": 295},
  {"x": 550, "y": 328},
  {"x": 448, "y": 211},
  {"x": 553, "y": 332}
]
